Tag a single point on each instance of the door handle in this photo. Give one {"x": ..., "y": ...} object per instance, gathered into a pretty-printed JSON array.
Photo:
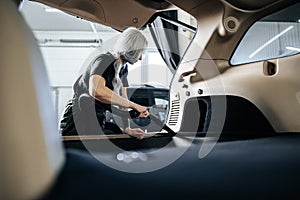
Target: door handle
[
  {"x": 270, "y": 68},
  {"x": 184, "y": 74}
]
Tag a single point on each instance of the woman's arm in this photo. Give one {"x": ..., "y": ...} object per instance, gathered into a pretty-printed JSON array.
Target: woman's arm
[
  {"x": 124, "y": 92},
  {"x": 99, "y": 91},
  {"x": 125, "y": 121}
]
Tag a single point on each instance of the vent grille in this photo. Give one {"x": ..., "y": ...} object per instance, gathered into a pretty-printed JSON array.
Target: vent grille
[{"x": 175, "y": 108}]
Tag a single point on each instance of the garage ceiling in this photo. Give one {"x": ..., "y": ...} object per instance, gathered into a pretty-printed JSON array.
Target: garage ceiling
[{"x": 39, "y": 20}]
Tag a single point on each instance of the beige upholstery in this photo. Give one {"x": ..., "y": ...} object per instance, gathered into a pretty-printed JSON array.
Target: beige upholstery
[{"x": 31, "y": 152}]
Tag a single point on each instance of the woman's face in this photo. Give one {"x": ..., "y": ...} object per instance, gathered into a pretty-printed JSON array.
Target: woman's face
[
  {"x": 140, "y": 58},
  {"x": 132, "y": 61}
]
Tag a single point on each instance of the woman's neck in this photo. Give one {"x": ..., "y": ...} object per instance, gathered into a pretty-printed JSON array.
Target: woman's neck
[{"x": 120, "y": 60}]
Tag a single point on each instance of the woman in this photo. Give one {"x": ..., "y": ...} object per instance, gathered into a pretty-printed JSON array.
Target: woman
[{"x": 101, "y": 86}]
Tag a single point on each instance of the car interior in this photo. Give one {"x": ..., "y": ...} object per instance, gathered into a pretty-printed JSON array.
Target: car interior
[{"x": 232, "y": 125}]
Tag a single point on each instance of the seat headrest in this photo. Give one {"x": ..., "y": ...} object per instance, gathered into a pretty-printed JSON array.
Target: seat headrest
[{"x": 31, "y": 150}]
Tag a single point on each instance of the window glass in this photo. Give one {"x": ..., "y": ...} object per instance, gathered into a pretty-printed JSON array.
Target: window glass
[
  {"x": 274, "y": 36},
  {"x": 161, "y": 98}
]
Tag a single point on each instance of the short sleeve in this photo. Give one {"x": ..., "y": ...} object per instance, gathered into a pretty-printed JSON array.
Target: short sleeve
[{"x": 102, "y": 65}]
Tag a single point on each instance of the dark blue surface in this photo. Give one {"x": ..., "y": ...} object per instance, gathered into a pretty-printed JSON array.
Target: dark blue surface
[{"x": 264, "y": 168}]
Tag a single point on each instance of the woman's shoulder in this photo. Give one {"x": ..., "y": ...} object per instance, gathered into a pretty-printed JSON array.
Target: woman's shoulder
[
  {"x": 105, "y": 57},
  {"x": 103, "y": 64}
]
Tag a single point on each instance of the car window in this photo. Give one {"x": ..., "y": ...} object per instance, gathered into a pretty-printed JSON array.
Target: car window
[
  {"x": 161, "y": 98},
  {"x": 273, "y": 36},
  {"x": 142, "y": 96}
]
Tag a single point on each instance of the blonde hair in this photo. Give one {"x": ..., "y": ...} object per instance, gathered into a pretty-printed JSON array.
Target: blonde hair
[{"x": 130, "y": 44}]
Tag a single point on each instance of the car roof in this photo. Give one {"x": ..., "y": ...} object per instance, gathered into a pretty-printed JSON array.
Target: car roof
[{"x": 104, "y": 12}]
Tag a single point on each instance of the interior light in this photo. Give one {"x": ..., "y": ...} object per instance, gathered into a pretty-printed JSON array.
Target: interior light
[{"x": 298, "y": 20}]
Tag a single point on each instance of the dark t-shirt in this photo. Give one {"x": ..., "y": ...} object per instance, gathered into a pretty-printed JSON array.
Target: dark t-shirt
[
  {"x": 80, "y": 110},
  {"x": 102, "y": 65}
]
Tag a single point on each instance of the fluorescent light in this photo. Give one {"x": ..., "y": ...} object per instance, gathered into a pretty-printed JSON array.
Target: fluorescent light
[
  {"x": 270, "y": 41},
  {"x": 293, "y": 48},
  {"x": 95, "y": 31},
  {"x": 93, "y": 28},
  {"x": 21, "y": 6},
  {"x": 52, "y": 10}
]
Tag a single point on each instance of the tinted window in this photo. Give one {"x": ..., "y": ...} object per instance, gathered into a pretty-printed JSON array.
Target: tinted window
[
  {"x": 142, "y": 96},
  {"x": 274, "y": 36},
  {"x": 161, "y": 98}
]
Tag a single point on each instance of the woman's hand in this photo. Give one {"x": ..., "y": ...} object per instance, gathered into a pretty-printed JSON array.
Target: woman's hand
[
  {"x": 136, "y": 132},
  {"x": 102, "y": 93},
  {"x": 142, "y": 110}
]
